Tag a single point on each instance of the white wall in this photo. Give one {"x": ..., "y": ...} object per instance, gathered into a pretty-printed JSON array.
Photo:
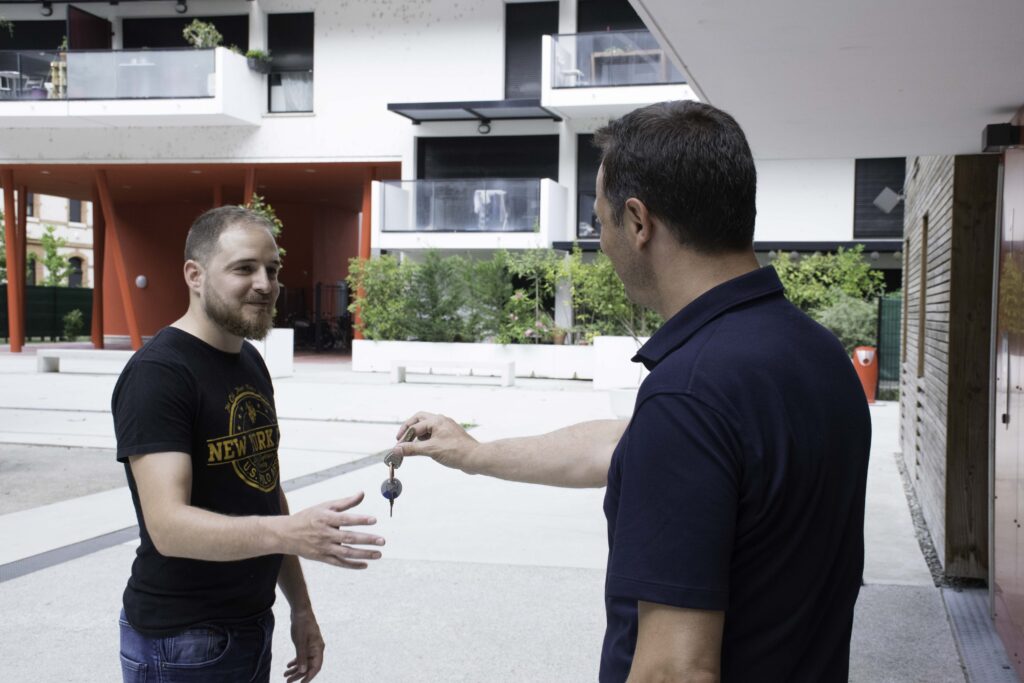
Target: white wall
[
  {"x": 804, "y": 200},
  {"x": 366, "y": 54}
]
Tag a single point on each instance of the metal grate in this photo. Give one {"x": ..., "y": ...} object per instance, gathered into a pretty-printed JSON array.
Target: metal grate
[{"x": 981, "y": 652}]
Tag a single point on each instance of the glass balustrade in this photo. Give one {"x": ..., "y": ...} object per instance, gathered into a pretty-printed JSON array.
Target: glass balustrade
[
  {"x": 107, "y": 74},
  {"x": 484, "y": 205},
  {"x": 610, "y": 58}
]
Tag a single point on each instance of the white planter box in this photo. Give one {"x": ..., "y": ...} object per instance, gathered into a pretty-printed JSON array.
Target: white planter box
[
  {"x": 278, "y": 351},
  {"x": 613, "y": 368},
  {"x": 532, "y": 360}
]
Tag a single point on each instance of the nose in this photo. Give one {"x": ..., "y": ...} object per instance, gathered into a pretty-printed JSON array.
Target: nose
[{"x": 261, "y": 281}]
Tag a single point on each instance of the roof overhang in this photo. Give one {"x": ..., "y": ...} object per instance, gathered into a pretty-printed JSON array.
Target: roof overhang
[
  {"x": 866, "y": 78},
  {"x": 481, "y": 112}
]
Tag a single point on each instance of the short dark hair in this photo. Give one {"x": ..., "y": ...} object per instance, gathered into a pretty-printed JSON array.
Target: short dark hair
[
  {"x": 690, "y": 164},
  {"x": 206, "y": 230}
]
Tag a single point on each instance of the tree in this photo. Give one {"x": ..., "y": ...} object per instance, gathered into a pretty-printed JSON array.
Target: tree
[{"x": 58, "y": 267}]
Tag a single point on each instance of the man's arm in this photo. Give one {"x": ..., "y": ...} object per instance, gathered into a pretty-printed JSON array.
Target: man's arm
[
  {"x": 677, "y": 644},
  {"x": 309, "y": 643},
  {"x": 178, "y": 529},
  {"x": 574, "y": 457}
]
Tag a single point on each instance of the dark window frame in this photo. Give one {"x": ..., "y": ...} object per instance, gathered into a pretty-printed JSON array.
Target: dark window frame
[
  {"x": 870, "y": 177},
  {"x": 286, "y": 60}
]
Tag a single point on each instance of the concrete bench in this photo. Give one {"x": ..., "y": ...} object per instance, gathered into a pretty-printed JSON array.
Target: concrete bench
[
  {"x": 506, "y": 369},
  {"x": 48, "y": 360}
]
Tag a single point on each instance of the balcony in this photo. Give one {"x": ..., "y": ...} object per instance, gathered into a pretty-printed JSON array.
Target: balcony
[
  {"x": 487, "y": 213},
  {"x": 607, "y": 74},
  {"x": 97, "y": 88}
]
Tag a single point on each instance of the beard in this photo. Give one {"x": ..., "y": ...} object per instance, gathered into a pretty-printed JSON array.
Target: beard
[{"x": 234, "y": 320}]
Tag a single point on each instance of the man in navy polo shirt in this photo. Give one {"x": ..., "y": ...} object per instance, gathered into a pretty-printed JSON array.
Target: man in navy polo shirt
[{"x": 735, "y": 498}]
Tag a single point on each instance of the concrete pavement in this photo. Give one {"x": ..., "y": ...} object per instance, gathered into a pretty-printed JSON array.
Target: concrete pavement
[{"x": 482, "y": 580}]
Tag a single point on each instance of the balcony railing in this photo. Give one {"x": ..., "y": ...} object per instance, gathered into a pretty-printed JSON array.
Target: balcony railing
[
  {"x": 621, "y": 58},
  {"x": 484, "y": 205},
  {"x": 107, "y": 74}
]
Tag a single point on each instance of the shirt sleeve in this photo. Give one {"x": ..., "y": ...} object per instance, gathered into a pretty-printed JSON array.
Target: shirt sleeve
[
  {"x": 676, "y": 518},
  {"x": 154, "y": 408}
]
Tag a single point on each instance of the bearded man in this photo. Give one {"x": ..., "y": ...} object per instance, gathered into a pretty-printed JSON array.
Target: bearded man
[{"x": 197, "y": 431}]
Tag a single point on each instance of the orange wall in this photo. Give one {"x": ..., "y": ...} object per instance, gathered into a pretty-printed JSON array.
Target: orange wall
[
  {"x": 319, "y": 242},
  {"x": 152, "y": 240}
]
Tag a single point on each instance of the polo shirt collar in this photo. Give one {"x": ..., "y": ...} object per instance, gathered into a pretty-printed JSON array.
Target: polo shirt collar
[{"x": 705, "y": 308}]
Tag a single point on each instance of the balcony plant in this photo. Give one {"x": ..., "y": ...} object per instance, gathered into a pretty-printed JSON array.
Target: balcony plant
[
  {"x": 259, "y": 205},
  {"x": 259, "y": 61},
  {"x": 202, "y": 34}
]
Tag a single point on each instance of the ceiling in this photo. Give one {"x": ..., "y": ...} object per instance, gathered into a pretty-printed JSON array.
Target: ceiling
[
  {"x": 853, "y": 78},
  {"x": 335, "y": 184}
]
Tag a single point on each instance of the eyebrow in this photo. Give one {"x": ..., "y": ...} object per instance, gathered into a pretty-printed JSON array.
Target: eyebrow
[{"x": 239, "y": 262}]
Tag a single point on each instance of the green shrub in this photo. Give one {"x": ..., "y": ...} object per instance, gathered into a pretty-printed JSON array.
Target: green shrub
[
  {"x": 817, "y": 281},
  {"x": 852, "y": 320},
  {"x": 437, "y": 298},
  {"x": 381, "y": 287},
  {"x": 74, "y": 323},
  {"x": 600, "y": 304},
  {"x": 449, "y": 298},
  {"x": 489, "y": 287}
]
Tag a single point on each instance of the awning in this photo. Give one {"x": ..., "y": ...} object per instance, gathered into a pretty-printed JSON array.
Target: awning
[{"x": 483, "y": 112}]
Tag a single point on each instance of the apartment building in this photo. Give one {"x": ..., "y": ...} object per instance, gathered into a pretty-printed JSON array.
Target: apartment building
[
  {"x": 71, "y": 220},
  {"x": 378, "y": 126}
]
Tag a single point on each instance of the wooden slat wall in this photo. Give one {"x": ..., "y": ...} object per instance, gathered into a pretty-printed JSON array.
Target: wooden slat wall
[
  {"x": 974, "y": 234},
  {"x": 929, "y": 191},
  {"x": 944, "y": 412}
]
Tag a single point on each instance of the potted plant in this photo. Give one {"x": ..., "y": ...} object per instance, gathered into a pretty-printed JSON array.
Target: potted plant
[
  {"x": 259, "y": 60},
  {"x": 201, "y": 34}
]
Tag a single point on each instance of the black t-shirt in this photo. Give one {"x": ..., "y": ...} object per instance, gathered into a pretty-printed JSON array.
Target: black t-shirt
[
  {"x": 739, "y": 487},
  {"x": 180, "y": 394}
]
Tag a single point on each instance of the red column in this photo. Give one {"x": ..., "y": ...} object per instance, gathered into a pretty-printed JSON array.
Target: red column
[
  {"x": 250, "y": 184},
  {"x": 15, "y": 284},
  {"x": 118, "y": 256},
  {"x": 22, "y": 238},
  {"x": 218, "y": 195},
  {"x": 364, "y": 237},
  {"x": 99, "y": 229}
]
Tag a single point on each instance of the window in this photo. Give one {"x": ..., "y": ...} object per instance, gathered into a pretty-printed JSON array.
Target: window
[
  {"x": 75, "y": 274},
  {"x": 290, "y": 41},
  {"x": 526, "y": 156},
  {"x": 30, "y": 204},
  {"x": 588, "y": 160},
  {"x": 872, "y": 177},
  {"x": 525, "y": 23},
  {"x": 30, "y": 269},
  {"x": 921, "y": 296},
  {"x": 606, "y": 15},
  {"x": 163, "y": 32},
  {"x": 75, "y": 211}
]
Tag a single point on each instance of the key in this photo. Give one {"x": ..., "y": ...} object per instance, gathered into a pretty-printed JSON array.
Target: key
[
  {"x": 391, "y": 489},
  {"x": 396, "y": 460}
]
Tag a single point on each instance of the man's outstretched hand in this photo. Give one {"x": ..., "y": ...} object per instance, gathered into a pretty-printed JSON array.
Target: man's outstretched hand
[{"x": 440, "y": 438}]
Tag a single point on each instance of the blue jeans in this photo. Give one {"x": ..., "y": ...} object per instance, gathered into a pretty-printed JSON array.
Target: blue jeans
[{"x": 233, "y": 653}]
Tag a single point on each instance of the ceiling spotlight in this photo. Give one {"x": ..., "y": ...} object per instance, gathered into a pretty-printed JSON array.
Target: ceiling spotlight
[
  {"x": 47, "y": 9},
  {"x": 181, "y": 7}
]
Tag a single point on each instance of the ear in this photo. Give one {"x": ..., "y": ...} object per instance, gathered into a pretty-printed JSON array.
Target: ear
[
  {"x": 194, "y": 276},
  {"x": 637, "y": 223}
]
